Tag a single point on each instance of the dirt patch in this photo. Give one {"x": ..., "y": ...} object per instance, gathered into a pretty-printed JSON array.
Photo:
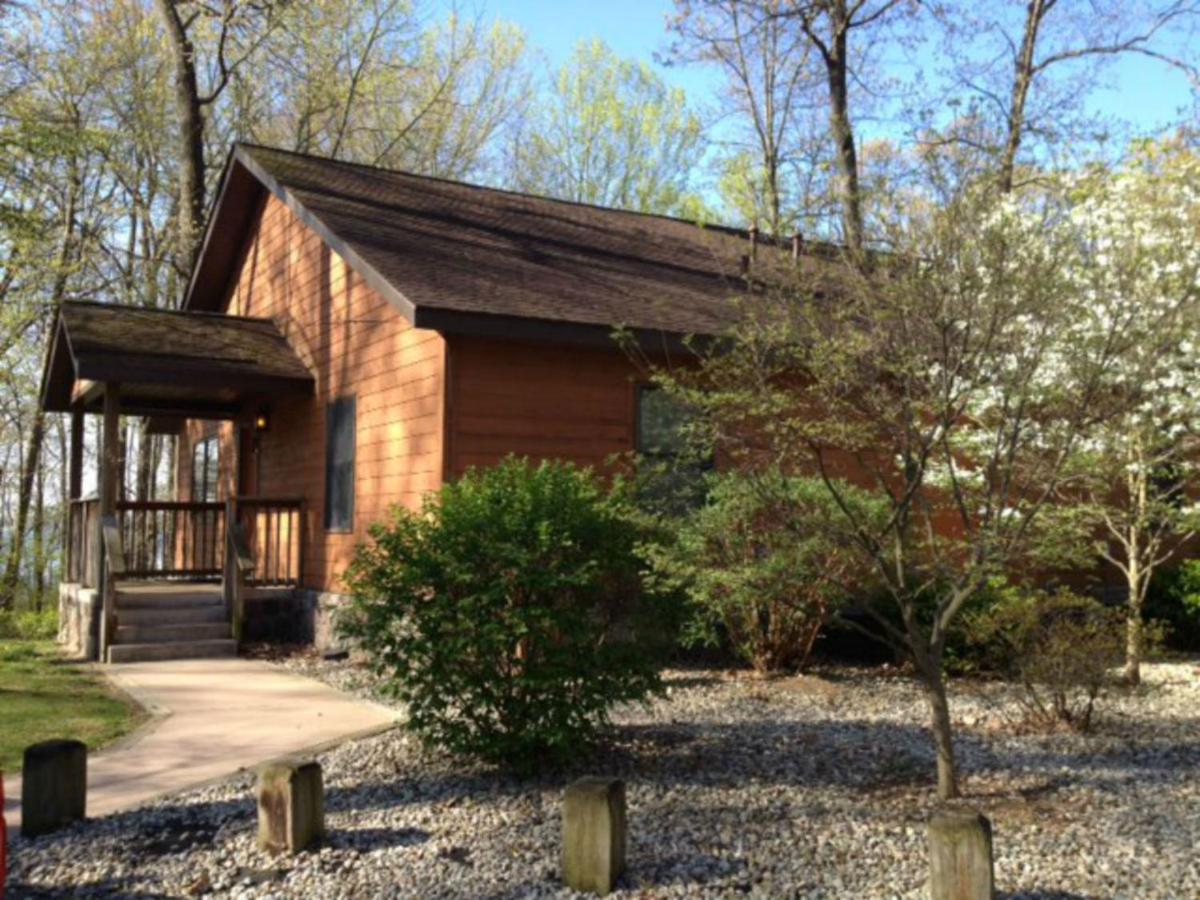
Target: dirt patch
[{"x": 808, "y": 686}]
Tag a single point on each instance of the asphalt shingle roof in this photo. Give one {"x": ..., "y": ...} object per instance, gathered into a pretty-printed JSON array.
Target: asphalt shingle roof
[{"x": 462, "y": 248}]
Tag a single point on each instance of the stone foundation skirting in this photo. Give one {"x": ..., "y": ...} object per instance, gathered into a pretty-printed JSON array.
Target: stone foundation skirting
[
  {"x": 299, "y": 616},
  {"x": 79, "y": 620},
  {"x": 289, "y": 616}
]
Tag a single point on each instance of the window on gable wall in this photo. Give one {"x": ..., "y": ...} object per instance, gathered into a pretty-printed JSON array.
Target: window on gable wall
[
  {"x": 340, "y": 434},
  {"x": 206, "y": 470}
]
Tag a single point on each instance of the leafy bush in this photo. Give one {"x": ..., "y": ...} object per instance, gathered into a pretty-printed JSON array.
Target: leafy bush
[
  {"x": 508, "y": 615},
  {"x": 1059, "y": 649},
  {"x": 762, "y": 563},
  {"x": 973, "y": 645},
  {"x": 1174, "y": 599},
  {"x": 29, "y": 625}
]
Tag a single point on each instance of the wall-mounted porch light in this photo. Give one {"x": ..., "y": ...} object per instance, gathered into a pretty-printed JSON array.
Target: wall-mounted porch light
[{"x": 261, "y": 422}]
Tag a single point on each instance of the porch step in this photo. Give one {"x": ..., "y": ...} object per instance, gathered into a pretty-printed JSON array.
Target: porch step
[
  {"x": 174, "y": 600},
  {"x": 129, "y": 653},
  {"x": 167, "y": 615},
  {"x": 165, "y": 634}
]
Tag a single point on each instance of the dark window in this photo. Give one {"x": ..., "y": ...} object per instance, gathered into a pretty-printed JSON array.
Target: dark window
[
  {"x": 672, "y": 475},
  {"x": 660, "y": 424},
  {"x": 340, "y": 432},
  {"x": 206, "y": 470}
]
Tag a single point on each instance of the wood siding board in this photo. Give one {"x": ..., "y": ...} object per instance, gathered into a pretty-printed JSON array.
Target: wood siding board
[{"x": 540, "y": 401}]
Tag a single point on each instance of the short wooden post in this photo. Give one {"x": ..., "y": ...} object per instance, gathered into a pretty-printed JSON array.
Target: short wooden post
[
  {"x": 53, "y": 786},
  {"x": 291, "y": 806},
  {"x": 594, "y": 831},
  {"x": 960, "y": 856}
]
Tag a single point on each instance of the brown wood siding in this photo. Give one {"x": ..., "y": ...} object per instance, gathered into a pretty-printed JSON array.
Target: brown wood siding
[
  {"x": 355, "y": 343},
  {"x": 538, "y": 400}
]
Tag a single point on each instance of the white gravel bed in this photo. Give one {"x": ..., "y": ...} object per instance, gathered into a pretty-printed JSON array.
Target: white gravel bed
[{"x": 810, "y": 787}]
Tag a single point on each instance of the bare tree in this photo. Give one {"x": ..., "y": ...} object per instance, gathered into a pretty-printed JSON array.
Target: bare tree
[
  {"x": 829, "y": 26},
  {"x": 767, "y": 90},
  {"x": 370, "y": 82},
  {"x": 240, "y": 27},
  {"x": 1029, "y": 63},
  {"x": 67, "y": 255}
]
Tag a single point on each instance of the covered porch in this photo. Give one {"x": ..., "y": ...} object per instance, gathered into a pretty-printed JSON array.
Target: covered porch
[{"x": 158, "y": 572}]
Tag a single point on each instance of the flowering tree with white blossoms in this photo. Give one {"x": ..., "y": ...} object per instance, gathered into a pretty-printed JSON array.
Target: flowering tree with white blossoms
[
  {"x": 956, "y": 375},
  {"x": 1140, "y": 467}
]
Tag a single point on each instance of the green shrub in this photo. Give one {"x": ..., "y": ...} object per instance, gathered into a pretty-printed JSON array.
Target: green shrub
[
  {"x": 973, "y": 645},
  {"x": 508, "y": 615},
  {"x": 29, "y": 625},
  {"x": 1174, "y": 600},
  {"x": 1059, "y": 649},
  {"x": 763, "y": 564}
]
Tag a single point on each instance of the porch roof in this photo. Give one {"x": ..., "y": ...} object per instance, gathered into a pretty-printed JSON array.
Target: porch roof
[{"x": 169, "y": 363}]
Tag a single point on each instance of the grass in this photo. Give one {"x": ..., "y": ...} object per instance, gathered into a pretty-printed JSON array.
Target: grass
[{"x": 44, "y": 696}]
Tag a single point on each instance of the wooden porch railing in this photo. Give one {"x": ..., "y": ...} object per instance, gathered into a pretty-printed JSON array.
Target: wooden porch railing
[
  {"x": 188, "y": 541},
  {"x": 272, "y": 528}
]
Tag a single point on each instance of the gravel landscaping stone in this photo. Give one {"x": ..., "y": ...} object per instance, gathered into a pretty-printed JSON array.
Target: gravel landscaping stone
[{"x": 811, "y": 787}]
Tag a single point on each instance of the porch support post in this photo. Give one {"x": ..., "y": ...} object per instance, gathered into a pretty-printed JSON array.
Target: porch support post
[
  {"x": 110, "y": 459},
  {"x": 73, "y": 536},
  {"x": 75, "y": 475},
  {"x": 110, "y": 454}
]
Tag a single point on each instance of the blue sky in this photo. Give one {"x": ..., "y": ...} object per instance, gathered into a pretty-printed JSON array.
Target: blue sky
[{"x": 1143, "y": 92}]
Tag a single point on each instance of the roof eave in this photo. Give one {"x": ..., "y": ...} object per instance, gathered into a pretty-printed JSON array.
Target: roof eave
[
  {"x": 55, "y": 359},
  {"x": 520, "y": 328}
]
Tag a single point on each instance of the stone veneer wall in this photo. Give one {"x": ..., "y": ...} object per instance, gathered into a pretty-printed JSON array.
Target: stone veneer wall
[
  {"x": 79, "y": 620},
  {"x": 294, "y": 616}
]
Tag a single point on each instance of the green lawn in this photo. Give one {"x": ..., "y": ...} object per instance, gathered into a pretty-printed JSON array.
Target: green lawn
[{"x": 43, "y": 696}]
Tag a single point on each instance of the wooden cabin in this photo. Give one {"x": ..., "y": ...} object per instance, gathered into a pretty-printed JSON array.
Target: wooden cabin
[{"x": 352, "y": 338}]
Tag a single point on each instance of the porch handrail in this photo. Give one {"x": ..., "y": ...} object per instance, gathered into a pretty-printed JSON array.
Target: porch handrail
[
  {"x": 168, "y": 505},
  {"x": 114, "y": 568},
  {"x": 239, "y": 563}
]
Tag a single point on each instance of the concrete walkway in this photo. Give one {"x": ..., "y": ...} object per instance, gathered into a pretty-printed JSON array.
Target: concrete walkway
[{"x": 211, "y": 719}]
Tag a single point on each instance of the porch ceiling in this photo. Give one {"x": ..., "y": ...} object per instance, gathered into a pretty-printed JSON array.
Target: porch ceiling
[{"x": 168, "y": 363}]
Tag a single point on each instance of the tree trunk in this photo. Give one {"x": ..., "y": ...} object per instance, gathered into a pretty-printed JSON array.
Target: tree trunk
[
  {"x": 143, "y": 476},
  {"x": 39, "y": 542},
  {"x": 1133, "y": 649},
  {"x": 1022, "y": 81},
  {"x": 12, "y": 568},
  {"x": 843, "y": 137},
  {"x": 190, "y": 114},
  {"x": 1135, "y": 576},
  {"x": 65, "y": 494},
  {"x": 939, "y": 724}
]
